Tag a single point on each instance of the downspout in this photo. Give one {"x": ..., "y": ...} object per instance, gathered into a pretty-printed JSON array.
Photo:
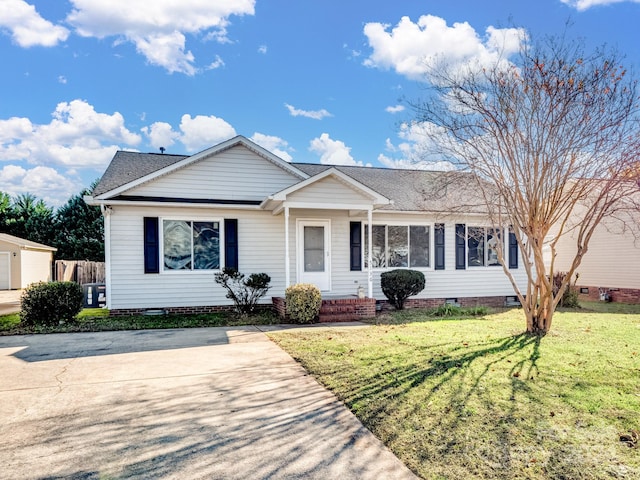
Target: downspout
[
  {"x": 370, "y": 253},
  {"x": 106, "y": 214}
]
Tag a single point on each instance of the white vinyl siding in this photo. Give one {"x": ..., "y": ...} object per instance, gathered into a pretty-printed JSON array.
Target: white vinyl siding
[
  {"x": 329, "y": 190},
  {"x": 235, "y": 174},
  {"x": 452, "y": 283},
  {"x": 612, "y": 261},
  {"x": 261, "y": 250}
]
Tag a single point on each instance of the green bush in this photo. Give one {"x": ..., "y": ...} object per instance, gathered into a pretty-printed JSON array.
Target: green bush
[
  {"x": 244, "y": 292},
  {"x": 449, "y": 310},
  {"x": 570, "y": 295},
  {"x": 398, "y": 285},
  {"x": 303, "y": 302},
  {"x": 49, "y": 304}
]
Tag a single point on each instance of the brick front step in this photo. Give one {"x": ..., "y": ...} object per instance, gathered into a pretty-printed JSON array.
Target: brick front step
[
  {"x": 339, "y": 317},
  {"x": 346, "y": 309}
]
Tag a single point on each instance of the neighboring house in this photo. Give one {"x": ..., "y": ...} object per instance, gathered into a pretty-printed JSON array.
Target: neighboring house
[
  {"x": 23, "y": 262},
  {"x": 611, "y": 265},
  {"x": 172, "y": 221}
]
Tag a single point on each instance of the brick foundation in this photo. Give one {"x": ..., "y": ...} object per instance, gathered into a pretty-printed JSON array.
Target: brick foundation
[
  {"x": 620, "y": 295},
  {"x": 122, "y": 312},
  {"x": 352, "y": 309},
  {"x": 496, "y": 302}
]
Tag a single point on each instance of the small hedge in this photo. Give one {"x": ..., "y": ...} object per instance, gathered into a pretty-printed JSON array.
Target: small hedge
[
  {"x": 303, "y": 302},
  {"x": 398, "y": 285},
  {"x": 245, "y": 292},
  {"x": 49, "y": 304}
]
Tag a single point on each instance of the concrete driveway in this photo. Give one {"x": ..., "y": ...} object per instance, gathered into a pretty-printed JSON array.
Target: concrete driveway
[
  {"x": 214, "y": 403},
  {"x": 10, "y": 301}
]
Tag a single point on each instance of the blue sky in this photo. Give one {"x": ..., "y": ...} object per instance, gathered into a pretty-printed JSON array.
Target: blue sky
[{"x": 311, "y": 80}]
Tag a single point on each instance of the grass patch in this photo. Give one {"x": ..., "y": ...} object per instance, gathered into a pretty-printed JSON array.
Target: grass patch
[
  {"x": 98, "y": 319},
  {"x": 479, "y": 399}
]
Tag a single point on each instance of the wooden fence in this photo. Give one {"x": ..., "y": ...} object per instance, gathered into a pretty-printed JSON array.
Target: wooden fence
[{"x": 79, "y": 271}]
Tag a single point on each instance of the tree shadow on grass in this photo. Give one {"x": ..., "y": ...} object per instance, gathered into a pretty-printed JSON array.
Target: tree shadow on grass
[{"x": 443, "y": 393}]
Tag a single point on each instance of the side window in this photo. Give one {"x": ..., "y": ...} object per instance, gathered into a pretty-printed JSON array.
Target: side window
[
  {"x": 475, "y": 246},
  {"x": 190, "y": 245},
  {"x": 482, "y": 246},
  {"x": 398, "y": 246}
]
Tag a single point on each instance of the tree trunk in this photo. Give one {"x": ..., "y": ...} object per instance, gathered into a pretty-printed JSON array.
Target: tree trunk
[
  {"x": 540, "y": 316},
  {"x": 539, "y": 308}
]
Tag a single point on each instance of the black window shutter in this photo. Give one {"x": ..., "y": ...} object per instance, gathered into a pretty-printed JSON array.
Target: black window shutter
[
  {"x": 513, "y": 250},
  {"x": 151, "y": 245},
  {"x": 438, "y": 234},
  {"x": 355, "y": 243},
  {"x": 460, "y": 246},
  {"x": 231, "y": 243}
]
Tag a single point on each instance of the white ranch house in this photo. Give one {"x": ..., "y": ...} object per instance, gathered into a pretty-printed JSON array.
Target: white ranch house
[{"x": 172, "y": 221}]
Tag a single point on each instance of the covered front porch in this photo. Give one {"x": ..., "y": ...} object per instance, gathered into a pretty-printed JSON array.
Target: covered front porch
[{"x": 323, "y": 221}]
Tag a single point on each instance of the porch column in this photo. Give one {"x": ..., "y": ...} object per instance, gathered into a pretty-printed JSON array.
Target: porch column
[
  {"x": 370, "y": 252},
  {"x": 287, "y": 259}
]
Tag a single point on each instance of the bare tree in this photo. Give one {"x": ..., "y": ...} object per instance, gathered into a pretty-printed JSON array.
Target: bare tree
[{"x": 553, "y": 140}]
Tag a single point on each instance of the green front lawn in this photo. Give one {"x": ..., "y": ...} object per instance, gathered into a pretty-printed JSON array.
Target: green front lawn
[
  {"x": 97, "y": 319},
  {"x": 475, "y": 398}
]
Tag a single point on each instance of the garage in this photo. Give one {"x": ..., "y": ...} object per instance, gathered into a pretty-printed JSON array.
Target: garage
[{"x": 23, "y": 262}]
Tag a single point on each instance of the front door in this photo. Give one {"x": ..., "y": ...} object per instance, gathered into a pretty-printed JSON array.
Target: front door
[{"x": 314, "y": 254}]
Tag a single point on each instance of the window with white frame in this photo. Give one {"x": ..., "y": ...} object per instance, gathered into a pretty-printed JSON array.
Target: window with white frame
[
  {"x": 482, "y": 246},
  {"x": 190, "y": 245},
  {"x": 396, "y": 246}
]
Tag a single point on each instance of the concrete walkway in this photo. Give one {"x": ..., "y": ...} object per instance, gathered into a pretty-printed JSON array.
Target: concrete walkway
[{"x": 210, "y": 403}]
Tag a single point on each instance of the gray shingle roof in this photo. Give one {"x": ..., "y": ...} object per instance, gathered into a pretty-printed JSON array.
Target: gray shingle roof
[
  {"x": 129, "y": 166},
  {"x": 413, "y": 190},
  {"x": 410, "y": 190}
]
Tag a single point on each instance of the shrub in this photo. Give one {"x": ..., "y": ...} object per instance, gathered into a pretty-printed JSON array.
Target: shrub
[
  {"x": 303, "y": 302},
  {"x": 244, "y": 292},
  {"x": 49, "y": 304},
  {"x": 448, "y": 310},
  {"x": 570, "y": 296},
  {"x": 398, "y": 285}
]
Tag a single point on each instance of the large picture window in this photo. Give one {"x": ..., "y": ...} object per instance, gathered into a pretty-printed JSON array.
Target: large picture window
[
  {"x": 395, "y": 246},
  {"x": 190, "y": 245},
  {"x": 482, "y": 246}
]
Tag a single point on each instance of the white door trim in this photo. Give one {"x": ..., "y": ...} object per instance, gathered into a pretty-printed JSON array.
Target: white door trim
[{"x": 321, "y": 279}]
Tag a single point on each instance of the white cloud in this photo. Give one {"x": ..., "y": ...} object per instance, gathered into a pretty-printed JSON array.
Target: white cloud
[
  {"x": 44, "y": 182},
  {"x": 201, "y": 132},
  {"x": 314, "y": 114},
  {"x": 582, "y": 5},
  {"x": 332, "y": 152},
  {"x": 217, "y": 63},
  {"x": 77, "y": 136},
  {"x": 158, "y": 29},
  {"x": 411, "y": 48},
  {"x": 62, "y": 79},
  {"x": 394, "y": 109},
  {"x": 27, "y": 27},
  {"x": 414, "y": 151},
  {"x": 166, "y": 50},
  {"x": 275, "y": 145},
  {"x": 195, "y": 133},
  {"x": 160, "y": 134},
  {"x": 262, "y": 49}
]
